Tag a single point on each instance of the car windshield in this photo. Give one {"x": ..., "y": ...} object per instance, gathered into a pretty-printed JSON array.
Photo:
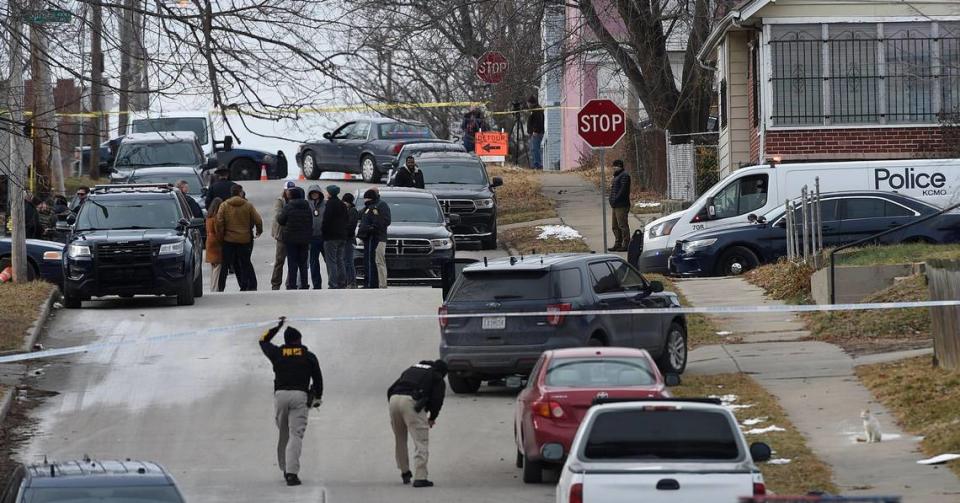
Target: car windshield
[
  {"x": 414, "y": 209},
  {"x": 398, "y": 130},
  {"x": 170, "y": 179},
  {"x": 661, "y": 435},
  {"x": 122, "y": 494},
  {"x": 129, "y": 214},
  {"x": 453, "y": 172},
  {"x": 502, "y": 285},
  {"x": 593, "y": 372},
  {"x": 196, "y": 125},
  {"x": 161, "y": 153}
]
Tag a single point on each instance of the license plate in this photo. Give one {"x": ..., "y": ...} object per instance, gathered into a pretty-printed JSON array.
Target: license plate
[{"x": 494, "y": 322}]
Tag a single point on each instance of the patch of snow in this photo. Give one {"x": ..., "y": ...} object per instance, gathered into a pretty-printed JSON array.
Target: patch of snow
[
  {"x": 647, "y": 204},
  {"x": 561, "y": 232},
  {"x": 738, "y": 407},
  {"x": 753, "y": 422},
  {"x": 761, "y": 431},
  {"x": 725, "y": 399},
  {"x": 779, "y": 461},
  {"x": 936, "y": 460},
  {"x": 724, "y": 333}
]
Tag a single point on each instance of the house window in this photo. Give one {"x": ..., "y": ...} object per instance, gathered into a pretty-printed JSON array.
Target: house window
[{"x": 864, "y": 73}]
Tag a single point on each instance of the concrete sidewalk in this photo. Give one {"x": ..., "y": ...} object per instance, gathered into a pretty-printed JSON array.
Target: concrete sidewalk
[{"x": 813, "y": 381}]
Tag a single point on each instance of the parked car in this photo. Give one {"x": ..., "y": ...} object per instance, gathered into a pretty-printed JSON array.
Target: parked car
[
  {"x": 155, "y": 150},
  {"x": 562, "y": 387},
  {"x": 133, "y": 240},
  {"x": 366, "y": 146},
  {"x": 491, "y": 347},
  {"x": 43, "y": 259},
  {"x": 171, "y": 176},
  {"x": 460, "y": 182},
  {"x": 420, "y": 245},
  {"x": 106, "y": 481},
  {"x": 760, "y": 189},
  {"x": 671, "y": 450},
  {"x": 847, "y": 217},
  {"x": 81, "y": 155}
]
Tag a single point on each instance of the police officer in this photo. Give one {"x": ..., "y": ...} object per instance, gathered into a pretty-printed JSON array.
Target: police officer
[
  {"x": 418, "y": 391},
  {"x": 294, "y": 368}
]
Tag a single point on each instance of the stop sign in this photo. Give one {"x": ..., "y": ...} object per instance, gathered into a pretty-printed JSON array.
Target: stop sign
[
  {"x": 491, "y": 67},
  {"x": 601, "y": 123}
]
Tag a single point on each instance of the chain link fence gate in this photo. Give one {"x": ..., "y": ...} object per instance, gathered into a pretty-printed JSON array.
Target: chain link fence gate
[{"x": 691, "y": 164}]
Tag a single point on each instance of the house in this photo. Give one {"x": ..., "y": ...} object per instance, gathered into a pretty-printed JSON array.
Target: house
[{"x": 805, "y": 80}]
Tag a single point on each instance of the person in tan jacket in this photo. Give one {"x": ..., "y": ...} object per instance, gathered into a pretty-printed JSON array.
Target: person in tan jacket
[
  {"x": 214, "y": 253},
  {"x": 235, "y": 221}
]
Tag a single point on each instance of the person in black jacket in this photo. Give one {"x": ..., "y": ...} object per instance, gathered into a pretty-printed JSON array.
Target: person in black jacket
[
  {"x": 353, "y": 218},
  {"x": 418, "y": 392},
  {"x": 297, "y": 221},
  {"x": 31, "y": 218},
  {"x": 294, "y": 369},
  {"x": 184, "y": 187},
  {"x": 409, "y": 175},
  {"x": 535, "y": 128},
  {"x": 620, "y": 203},
  {"x": 220, "y": 187},
  {"x": 372, "y": 231},
  {"x": 335, "y": 234}
]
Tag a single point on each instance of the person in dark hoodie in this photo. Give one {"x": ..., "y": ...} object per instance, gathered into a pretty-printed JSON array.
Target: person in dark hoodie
[
  {"x": 298, "y": 385},
  {"x": 419, "y": 390},
  {"x": 620, "y": 207},
  {"x": 353, "y": 218},
  {"x": 373, "y": 232},
  {"x": 317, "y": 205},
  {"x": 409, "y": 175},
  {"x": 335, "y": 234},
  {"x": 297, "y": 221}
]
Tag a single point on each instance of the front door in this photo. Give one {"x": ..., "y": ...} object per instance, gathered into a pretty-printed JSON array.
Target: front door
[
  {"x": 648, "y": 329},
  {"x": 862, "y": 217},
  {"x": 331, "y": 156},
  {"x": 611, "y": 297},
  {"x": 352, "y": 145}
]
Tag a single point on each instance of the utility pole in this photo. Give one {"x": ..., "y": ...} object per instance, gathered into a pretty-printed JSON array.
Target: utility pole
[
  {"x": 133, "y": 83},
  {"x": 43, "y": 110},
  {"x": 96, "y": 88},
  {"x": 15, "y": 159}
]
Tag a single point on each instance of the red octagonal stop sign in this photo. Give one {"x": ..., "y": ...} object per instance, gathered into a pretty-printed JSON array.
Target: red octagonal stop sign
[
  {"x": 601, "y": 123},
  {"x": 491, "y": 67}
]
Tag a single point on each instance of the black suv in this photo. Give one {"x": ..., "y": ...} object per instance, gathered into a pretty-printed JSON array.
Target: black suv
[
  {"x": 133, "y": 240},
  {"x": 92, "y": 480},
  {"x": 493, "y": 346},
  {"x": 460, "y": 182},
  {"x": 420, "y": 246}
]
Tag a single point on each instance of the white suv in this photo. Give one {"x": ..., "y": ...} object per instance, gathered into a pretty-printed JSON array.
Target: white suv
[{"x": 665, "y": 450}]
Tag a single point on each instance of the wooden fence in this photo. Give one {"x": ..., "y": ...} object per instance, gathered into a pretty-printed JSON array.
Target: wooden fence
[{"x": 943, "y": 280}]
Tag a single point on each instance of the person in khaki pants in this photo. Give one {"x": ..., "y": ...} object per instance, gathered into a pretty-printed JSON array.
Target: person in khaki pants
[
  {"x": 415, "y": 400},
  {"x": 620, "y": 204},
  {"x": 276, "y": 231}
]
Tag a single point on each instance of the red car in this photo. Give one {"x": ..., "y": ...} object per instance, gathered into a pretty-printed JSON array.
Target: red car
[{"x": 562, "y": 387}]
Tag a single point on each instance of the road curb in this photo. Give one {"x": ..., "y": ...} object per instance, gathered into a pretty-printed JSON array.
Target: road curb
[{"x": 33, "y": 334}]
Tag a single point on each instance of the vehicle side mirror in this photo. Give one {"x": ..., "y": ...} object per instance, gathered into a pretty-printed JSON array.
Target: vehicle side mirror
[
  {"x": 752, "y": 218},
  {"x": 496, "y": 182},
  {"x": 453, "y": 218},
  {"x": 183, "y": 223},
  {"x": 671, "y": 379},
  {"x": 760, "y": 452},
  {"x": 328, "y": 136},
  {"x": 228, "y": 142},
  {"x": 656, "y": 286},
  {"x": 762, "y": 220},
  {"x": 196, "y": 223},
  {"x": 711, "y": 209},
  {"x": 211, "y": 164},
  {"x": 71, "y": 219}
]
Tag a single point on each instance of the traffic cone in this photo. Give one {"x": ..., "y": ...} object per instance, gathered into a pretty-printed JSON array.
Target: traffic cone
[
  {"x": 301, "y": 177},
  {"x": 6, "y": 274},
  {"x": 263, "y": 174}
]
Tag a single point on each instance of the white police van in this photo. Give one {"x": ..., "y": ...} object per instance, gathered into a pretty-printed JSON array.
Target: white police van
[{"x": 759, "y": 189}]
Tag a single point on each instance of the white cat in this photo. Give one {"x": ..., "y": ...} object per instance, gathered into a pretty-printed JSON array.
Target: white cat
[{"x": 871, "y": 426}]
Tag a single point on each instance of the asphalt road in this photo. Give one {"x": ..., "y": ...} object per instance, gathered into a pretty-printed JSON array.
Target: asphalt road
[{"x": 202, "y": 405}]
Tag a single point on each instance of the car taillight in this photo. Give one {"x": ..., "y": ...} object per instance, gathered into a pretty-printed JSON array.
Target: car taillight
[
  {"x": 396, "y": 148},
  {"x": 551, "y": 410},
  {"x": 576, "y": 493},
  {"x": 556, "y": 317},
  {"x": 759, "y": 489},
  {"x": 442, "y": 316}
]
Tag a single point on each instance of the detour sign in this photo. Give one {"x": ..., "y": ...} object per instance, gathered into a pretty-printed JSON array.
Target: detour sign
[{"x": 491, "y": 143}]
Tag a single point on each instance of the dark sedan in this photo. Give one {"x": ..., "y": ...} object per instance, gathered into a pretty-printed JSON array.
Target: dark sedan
[
  {"x": 43, "y": 259},
  {"x": 847, "y": 217},
  {"x": 367, "y": 147}
]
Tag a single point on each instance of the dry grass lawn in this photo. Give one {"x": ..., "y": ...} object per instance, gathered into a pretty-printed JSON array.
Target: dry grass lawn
[
  {"x": 805, "y": 472},
  {"x": 700, "y": 329},
  {"x": 20, "y": 305},
  {"x": 783, "y": 280},
  {"x": 925, "y": 400},
  {"x": 525, "y": 240},
  {"x": 520, "y": 199},
  {"x": 592, "y": 173}
]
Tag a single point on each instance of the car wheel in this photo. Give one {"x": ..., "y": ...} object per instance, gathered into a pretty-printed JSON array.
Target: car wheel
[
  {"x": 369, "y": 170},
  {"x": 244, "y": 169},
  {"x": 310, "y": 169},
  {"x": 463, "y": 385},
  {"x": 736, "y": 261},
  {"x": 673, "y": 360},
  {"x": 532, "y": 471},
  {"x": 198, "y": 286},
  {"x": 490, "y": 243},
  {"x": 185, "y": 297},
  {"x": 519, "y": 459}
]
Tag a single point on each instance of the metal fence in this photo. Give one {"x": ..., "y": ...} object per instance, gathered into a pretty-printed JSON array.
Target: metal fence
[
  {"x": 804, "y": 223},
  {"x": 684, "y": 158}
]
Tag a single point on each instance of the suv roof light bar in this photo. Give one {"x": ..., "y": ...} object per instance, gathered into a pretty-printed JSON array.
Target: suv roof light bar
[{"x": 131, "y": 186}]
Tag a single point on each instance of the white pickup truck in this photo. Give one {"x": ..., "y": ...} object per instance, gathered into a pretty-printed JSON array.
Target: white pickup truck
[{"x": 665, "y": 450}]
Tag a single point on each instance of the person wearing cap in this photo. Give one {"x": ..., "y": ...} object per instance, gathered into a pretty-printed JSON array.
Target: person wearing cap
[
  {"x": 276, "y": 232},
  {"x": 409, "y": 175},
  {"x": 620, "y": 205},
  {"x": 353, "y": 218},
  {"x": 297, "y": 385},
  {"x": 317, "y": 204},
  {"x": 415, "y": 400},
  {"x": 220, "y": 187},
  {"x": 372, "y": 231},
  {"x": 335, "y": 234}
]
